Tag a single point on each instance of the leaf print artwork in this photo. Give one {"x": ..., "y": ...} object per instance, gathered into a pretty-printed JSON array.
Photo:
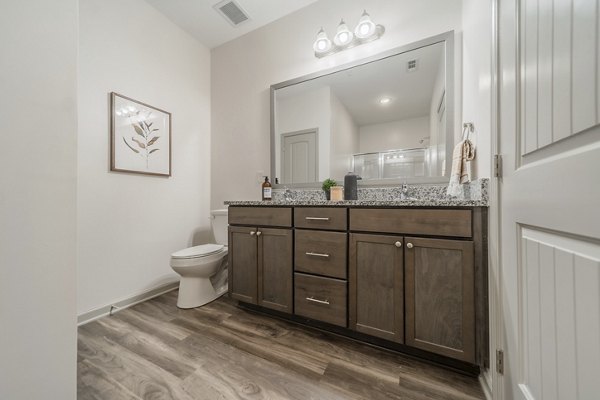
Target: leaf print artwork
[
  {"x": 149, "y": 135},
  {"x": 140, "y": 137}
]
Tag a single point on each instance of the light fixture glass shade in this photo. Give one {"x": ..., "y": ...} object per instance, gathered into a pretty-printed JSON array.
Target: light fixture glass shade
[
  {"x": 344, "y": 36},
  {"x": 322, "y": 43},
  {"x": 365, "y": 28}
]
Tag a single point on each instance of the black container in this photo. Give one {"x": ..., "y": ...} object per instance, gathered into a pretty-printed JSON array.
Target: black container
[{"x": 351, "y": 186}]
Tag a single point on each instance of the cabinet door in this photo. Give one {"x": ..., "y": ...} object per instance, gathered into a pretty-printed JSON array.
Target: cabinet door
[
  {"x": 376, "y": 286},
  {"x": 243, "y": 264},
  {"x": 275, "y": 269},
  {"x": 440, "y": 307}
]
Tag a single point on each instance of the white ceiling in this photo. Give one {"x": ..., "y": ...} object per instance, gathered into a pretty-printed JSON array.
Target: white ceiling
[{"x": 201, "y": 20}]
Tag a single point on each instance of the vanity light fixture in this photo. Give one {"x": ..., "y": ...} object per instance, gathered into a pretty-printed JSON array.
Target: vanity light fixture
[
  {"x": 322, "y": 44},
  {"x": 343, "y": 37},
  {"x": 365, "y": 28},
  {"x": 365, "y": 31}
]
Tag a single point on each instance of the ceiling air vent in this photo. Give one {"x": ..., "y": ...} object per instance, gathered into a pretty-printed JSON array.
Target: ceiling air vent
[
  {"x": 411, "y": 65},
  {"x": 232, "y": 12}
]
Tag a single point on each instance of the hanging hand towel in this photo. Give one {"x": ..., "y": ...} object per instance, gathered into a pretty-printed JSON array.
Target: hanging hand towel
[{"x": 461, "y": 167}]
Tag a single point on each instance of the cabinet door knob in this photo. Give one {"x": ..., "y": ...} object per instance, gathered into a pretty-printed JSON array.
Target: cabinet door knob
[
  {"x": 252, "y": 233},
  {"x": 398, "y": 244},
  {"x": 258, "y": 233},
  {"x": 409, "y": 245}
]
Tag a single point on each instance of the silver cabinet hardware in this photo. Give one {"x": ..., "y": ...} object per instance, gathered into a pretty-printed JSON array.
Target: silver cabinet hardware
[
  {"x": 316, "y": 218},
  {"x": 310, "y": 253},
  {"x": 318, "y": 301},
  {"x": 252, "y": 233},
  {"x": 258, "y": 233},
  {"x": 409, "y": 245},
  {"x": 398, "y": 244}
]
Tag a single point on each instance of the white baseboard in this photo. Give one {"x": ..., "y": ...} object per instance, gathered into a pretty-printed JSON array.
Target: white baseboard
[
  {"x": 485, "y": 385},
  {"x": 103, "y": 311}
]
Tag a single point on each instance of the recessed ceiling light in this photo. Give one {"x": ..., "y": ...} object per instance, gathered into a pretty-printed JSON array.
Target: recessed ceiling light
[{"x": 384, "y": 100}]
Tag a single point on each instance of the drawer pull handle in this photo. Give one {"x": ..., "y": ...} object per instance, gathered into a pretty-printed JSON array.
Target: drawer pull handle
[
  {"x": 310, "y": 253},
  {"x": 398, "y": 244},
  {"x": 326, "y": 302},
  {"x": 252, "y": 233},
  {"x": 258, "y": 233},
  {"x": 317, "y": 218},
  {"x": 409, "y": 245}
]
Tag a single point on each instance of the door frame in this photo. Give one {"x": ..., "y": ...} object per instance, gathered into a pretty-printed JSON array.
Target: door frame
[
  {"x": 294, "y": 133},
  {"x": 492, "y": 380}
]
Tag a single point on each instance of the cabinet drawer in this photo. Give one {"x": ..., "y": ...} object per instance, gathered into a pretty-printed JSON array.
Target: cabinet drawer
[
  {"x": 261, "y": 216},
  {"x": 320, "y": 218},
  {"x": 321, "y": 252},
  {"x": 322, "y": 299},
  {"x": 409, "y": 221}
]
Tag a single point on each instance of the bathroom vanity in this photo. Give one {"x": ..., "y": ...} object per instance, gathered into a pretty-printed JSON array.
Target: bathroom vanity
[{"x": 400, "y": 275}]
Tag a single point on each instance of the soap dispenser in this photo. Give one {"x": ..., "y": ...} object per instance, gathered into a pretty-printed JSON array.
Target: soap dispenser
[
  {"x": 351, "y": 186},
  {"x": 267, "y": 193}
]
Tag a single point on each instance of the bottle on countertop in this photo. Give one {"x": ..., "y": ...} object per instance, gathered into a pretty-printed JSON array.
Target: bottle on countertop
[{"x": 267, "y": 193}]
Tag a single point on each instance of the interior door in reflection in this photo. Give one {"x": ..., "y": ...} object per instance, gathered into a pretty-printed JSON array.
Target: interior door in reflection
[{"x": 299, "y": 162}]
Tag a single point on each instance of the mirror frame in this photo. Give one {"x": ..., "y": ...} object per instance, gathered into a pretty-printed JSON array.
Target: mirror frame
[{"x": 448, "y": 39}]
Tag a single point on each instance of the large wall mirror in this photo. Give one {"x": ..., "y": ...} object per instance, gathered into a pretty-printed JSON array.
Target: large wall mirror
[{"x": 389, "y": 118}]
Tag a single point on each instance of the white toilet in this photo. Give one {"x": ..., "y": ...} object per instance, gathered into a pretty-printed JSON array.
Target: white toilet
[{"x": 198, "y": 264}]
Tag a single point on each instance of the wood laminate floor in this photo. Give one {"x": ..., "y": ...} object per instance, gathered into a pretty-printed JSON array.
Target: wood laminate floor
[{"x": 156, "y": 351}]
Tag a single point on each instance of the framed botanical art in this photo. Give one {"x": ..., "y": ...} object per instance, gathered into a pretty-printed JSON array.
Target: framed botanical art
[{"x": 140, "y": 137}]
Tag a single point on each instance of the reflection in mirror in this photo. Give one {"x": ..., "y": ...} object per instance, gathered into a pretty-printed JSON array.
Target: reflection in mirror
[{"x": 384, "y": 120}]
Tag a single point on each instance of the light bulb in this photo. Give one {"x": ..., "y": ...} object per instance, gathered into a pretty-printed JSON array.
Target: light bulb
[
  {"x": 343, "y": 37},
  {"x": 365, "y": 28},
  {"x": 384, "y": 100},
  {"x": 322, "y": 43}
]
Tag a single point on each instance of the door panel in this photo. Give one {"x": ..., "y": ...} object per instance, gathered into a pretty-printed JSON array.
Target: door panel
[
  {"x": 275, "y": 269},
  {"x": 559, "y": 284},
  {"x": 377, "y": 286},
  {"x": 549, "y": 87},
  {"x": 299, "y": 160},
  {"x": 243, "y": 265},
  {"x": 440, "y": 304}
]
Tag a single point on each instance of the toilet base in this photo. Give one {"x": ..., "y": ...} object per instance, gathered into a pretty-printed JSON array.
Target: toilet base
[{"x": 195, "y": 292}]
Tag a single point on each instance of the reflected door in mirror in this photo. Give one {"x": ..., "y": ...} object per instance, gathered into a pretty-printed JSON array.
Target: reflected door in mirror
[{"x": 299, "y": 161}]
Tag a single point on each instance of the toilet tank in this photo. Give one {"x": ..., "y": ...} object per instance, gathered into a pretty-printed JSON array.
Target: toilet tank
[{"x": 219, "y": 225}]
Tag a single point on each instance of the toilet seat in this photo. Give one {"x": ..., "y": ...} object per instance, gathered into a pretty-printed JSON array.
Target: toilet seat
[{"x": 203, "y": 250}]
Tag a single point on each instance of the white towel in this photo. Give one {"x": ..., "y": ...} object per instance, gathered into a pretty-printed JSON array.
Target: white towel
[{"x": 463, "y": 153}]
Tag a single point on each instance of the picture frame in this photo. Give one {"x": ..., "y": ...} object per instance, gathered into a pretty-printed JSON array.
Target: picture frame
[{"x": 140, "y": 137}]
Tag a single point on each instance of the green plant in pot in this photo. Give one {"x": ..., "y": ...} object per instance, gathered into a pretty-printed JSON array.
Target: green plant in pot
[{"x": 327, "y": 185}]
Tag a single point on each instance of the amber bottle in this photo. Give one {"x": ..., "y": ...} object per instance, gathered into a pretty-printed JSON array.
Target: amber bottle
[{"x": 267, "y": 193}]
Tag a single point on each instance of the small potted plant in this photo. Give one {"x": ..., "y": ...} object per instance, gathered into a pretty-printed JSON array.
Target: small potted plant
[{"x": 327, "y": 185}]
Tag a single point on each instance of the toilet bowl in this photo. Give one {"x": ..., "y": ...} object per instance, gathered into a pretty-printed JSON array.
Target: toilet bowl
[{"x": 198, "y": 264}]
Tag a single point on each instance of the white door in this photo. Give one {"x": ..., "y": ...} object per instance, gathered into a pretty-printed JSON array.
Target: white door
[
  {"x": 549, "y": 80},
  {"x": 299, "y": 159}
]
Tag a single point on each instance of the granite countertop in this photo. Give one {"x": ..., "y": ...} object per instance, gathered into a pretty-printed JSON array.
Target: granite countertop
[
  {"x": 474, "y": 194},
  {"x": 364, "y": 203}
]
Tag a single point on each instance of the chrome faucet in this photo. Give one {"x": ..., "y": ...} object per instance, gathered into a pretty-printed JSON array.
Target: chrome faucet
[
  {"x": 404, "y": 191},
  {"x": 288, "y": 195}
]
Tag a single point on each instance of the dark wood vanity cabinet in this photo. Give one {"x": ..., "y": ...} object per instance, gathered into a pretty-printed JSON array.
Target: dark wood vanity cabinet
[
  {"x": 414, "y": 277},
  {"x": 376, "y": 279},
  {"x": 320, "y": 264},
  {"x": 439, "y": 296},
  {"x": 261, "y": 259},
  {"x": 243, "y": 264},
  {"x": 436, "y": 296}
]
